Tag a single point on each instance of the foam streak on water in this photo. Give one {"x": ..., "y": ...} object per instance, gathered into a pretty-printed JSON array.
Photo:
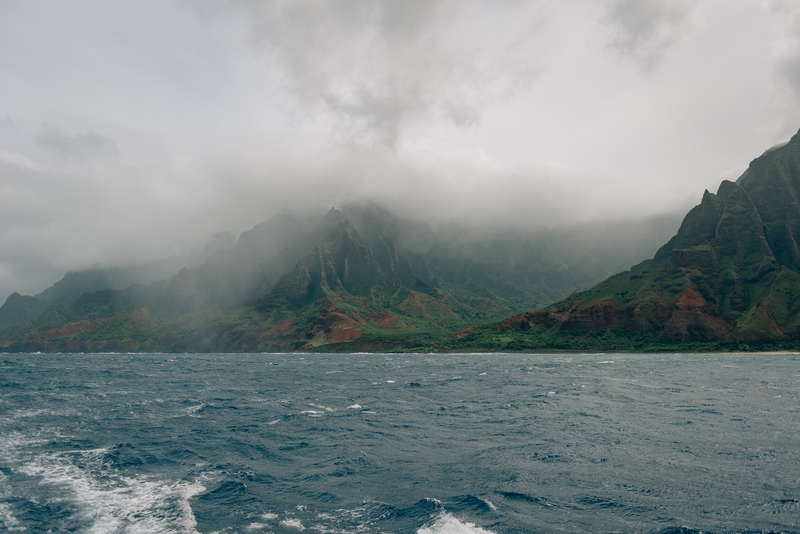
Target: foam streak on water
[
  {"x": 106, "y": 500},
  {"x": 118, "y": 503},
  {"x": 447, "y": 524},
  {"x": 410, "y": 444}
]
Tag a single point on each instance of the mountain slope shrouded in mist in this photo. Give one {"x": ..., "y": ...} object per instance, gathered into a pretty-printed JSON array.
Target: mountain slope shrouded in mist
[
  {"x": 360, "y": 277},
  {"x": 729, "y": 279},
  {"x": 511, "y": 152},
  {"x": 363, "y": 278}
]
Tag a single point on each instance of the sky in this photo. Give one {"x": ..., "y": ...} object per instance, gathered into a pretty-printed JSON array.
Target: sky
[{"x": 134, "y": 131}]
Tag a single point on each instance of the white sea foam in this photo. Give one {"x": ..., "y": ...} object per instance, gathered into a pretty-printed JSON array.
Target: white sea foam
[
  {"x": 116, "y": 503},
  {"x": 354, "y": 407},
  {"x": 194, "y": 409},
  {"x": 13, "y": 442},
  {"x": 9, "y": 523},
  {"x": 448, "y": 524},
  {"x": 490, "y": 504},
  {"x": 293, "y": 523},
  {"x": 30, "y": 412}
]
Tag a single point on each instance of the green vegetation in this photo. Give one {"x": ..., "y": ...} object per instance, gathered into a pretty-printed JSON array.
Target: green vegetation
[{"x": 728, "y": 280}]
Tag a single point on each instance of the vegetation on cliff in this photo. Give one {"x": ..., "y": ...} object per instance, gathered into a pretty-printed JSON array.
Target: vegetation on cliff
[{"x": 729, "y": 279}]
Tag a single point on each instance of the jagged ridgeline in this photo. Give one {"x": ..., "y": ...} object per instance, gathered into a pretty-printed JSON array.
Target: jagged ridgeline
[
  {"x": 727, "y": 280},
  {"x": 356, "y": 279}
]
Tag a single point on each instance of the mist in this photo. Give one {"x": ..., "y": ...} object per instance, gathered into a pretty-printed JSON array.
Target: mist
[{"x": 133, "y": 134}]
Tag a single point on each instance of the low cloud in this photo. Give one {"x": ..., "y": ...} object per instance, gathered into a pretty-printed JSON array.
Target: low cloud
[
  {"x": 509, "y": 112},
  {"x": 786, "y": 48},
  {"x": 646, "y": 29},
  {"x": 83, "y": 146},
  {"x": 7, "y": 125},
  {"x": 379, "y": 66},
  {"x": 55, "y": 218}
]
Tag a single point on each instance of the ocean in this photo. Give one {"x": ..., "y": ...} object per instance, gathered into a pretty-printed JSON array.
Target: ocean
[{"x": 405, "y": 443}]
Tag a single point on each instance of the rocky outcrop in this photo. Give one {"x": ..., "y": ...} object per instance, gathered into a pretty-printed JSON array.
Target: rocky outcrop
[
  {"x": 343, "y": 262},
  {"x": 692, "y": 318},
  {"x": 595, "y": 316}
]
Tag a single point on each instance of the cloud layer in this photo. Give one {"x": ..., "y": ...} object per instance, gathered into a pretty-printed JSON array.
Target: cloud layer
[
  {"x": 379, "y": 66},
  {"x": 646, "y": 29},
  {"x": 133, "y": 132}
]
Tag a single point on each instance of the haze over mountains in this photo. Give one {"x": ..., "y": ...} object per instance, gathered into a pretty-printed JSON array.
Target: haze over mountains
[
  {"x": 133, "y": 132},
  {"x": 334, "y": 278},
  {"x": 362, "y": 278},
  {"x": 533, "y": 138}
]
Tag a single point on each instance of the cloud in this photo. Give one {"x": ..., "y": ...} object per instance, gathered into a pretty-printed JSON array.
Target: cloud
[
  {"x": 15, "y": 159},
  {"x": 7, "y": 125},
  {"x": 55, "y": 218},
  {"x": 431, "y": 181},
  {"x": 379, "y": 66},
  {"x": 646, "y": 29},
  {"x": 142, "y": 127},
  {"x": 83, "y": 146},
  {"x": 786, "y": 49}
]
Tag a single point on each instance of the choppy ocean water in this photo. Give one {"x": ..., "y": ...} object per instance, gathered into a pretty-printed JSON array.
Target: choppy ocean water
[{"x": 399, "y": 443}]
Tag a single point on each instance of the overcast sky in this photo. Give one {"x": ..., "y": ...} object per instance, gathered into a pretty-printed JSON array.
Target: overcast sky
[{"x": 130, "y": 131}]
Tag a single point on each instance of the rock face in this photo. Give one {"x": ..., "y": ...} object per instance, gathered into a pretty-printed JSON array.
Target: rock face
[
  {"x": 343, "y": 262},
  {"x": 731, "y": 273}
]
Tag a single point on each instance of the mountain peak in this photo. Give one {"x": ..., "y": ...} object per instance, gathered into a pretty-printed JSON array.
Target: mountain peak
[{"x": 334, "y": 217}]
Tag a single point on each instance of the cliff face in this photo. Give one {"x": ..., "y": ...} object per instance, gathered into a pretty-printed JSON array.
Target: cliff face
[{"x": 731, "y": 273}]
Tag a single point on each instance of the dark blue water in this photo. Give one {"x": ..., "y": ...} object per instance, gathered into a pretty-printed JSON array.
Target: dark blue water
[{"x": 399, "y": 443}]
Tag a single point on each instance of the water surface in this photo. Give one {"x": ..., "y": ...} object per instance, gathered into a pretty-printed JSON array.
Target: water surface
[{"x": 399, "y": 443}]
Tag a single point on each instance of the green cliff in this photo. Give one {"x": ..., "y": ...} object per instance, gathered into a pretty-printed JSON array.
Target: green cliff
[{"x": 729, "y": 279}]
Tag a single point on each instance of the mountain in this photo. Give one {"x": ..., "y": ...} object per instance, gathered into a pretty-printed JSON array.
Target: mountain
[
  {"x": 729, "y": 279},
  {"x": 23, "y": 308},
  {"x": 288, "y": 284},
  {"x": 359, "y": 278},
  {"x": 75, "y": 283},
  {"x": 20, "y": 308}
]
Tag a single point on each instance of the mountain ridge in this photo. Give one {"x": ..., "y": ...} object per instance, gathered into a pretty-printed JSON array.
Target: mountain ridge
[
  {"x": 728, "y": 279},
  {"x": 345, "y": 288},
  {"x": 357, "y": 278}
]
